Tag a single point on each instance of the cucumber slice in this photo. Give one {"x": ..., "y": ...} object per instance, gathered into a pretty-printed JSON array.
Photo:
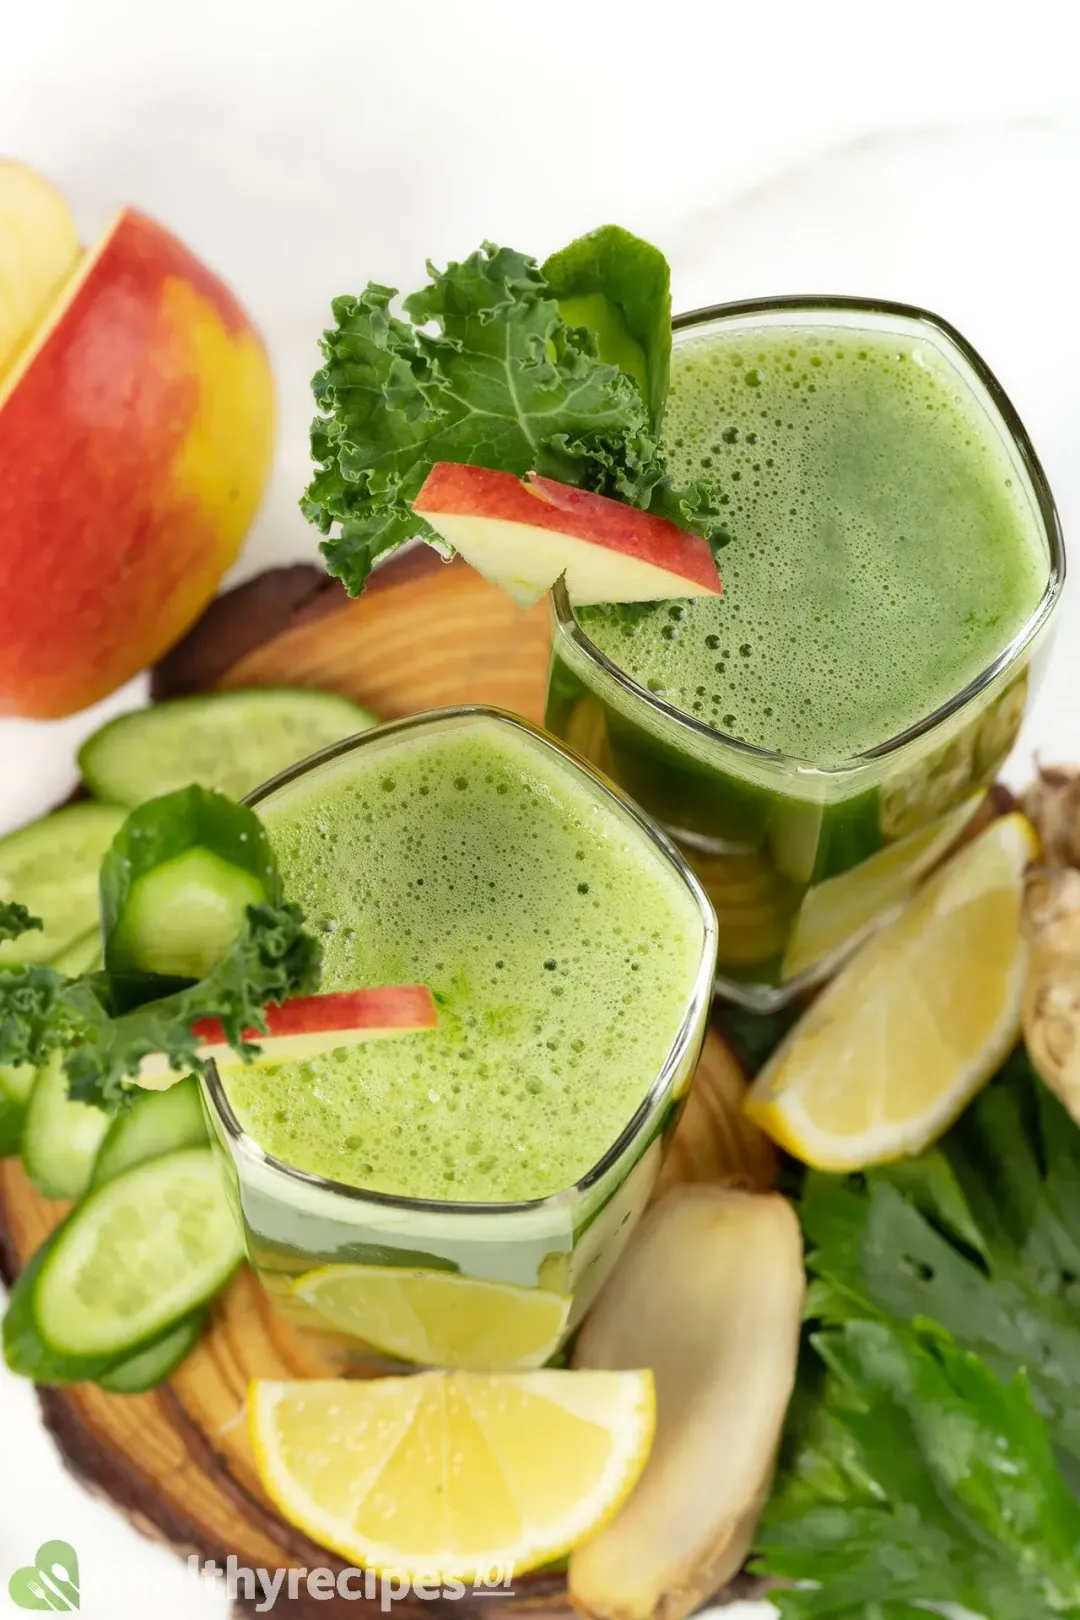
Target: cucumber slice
[
  {"x": 155, "y": 1122},
  {"x": 60, "y": 1138},
  {"x": 52, "y": 867},
  {"x": 232, "y": 741},
  {"x": 16, "y": 1083},
  {"x": 177, "y": 881},
  {"x": 136, "y": 1256},
  {"x": 62, "y": 1144},
  {"x": 150, "y": 1367},
  {"x": 24, "y": 1349},
  {"x": 81, "y": 956},
  {"x": 27, "y": 1354}
]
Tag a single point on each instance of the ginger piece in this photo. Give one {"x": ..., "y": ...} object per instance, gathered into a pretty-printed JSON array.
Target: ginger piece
[
  {"x": 709, "y": 1294},
  {"x": 1052, "y": 805},
  {"x": 1052, "y": 992}
]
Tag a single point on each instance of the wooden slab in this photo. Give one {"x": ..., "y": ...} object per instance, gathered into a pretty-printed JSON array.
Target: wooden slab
[{"x": 178, "y": 1461}]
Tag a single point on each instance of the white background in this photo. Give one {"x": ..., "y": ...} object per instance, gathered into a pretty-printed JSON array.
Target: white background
[{"x": 926, "y": 153}]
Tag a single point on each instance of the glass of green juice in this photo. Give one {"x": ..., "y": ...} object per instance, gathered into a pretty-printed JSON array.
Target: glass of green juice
[
  {"x": 455, "y": 1197},
  {"x": 818, "y": 736}
]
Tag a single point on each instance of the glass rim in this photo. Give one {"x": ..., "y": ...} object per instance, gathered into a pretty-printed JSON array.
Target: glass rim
[
  {"x": 792, "y": 303},
  {"x": 698, "y": 1001}
]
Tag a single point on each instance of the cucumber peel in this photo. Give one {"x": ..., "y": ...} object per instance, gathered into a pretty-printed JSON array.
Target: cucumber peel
[
  {"x": 177, "y": 881},
  {"x": 153, "y": 1123},
  {"x": 232, "y": 741},
  {"x": 12, "y": 1119},
  {"x": 150, "y": 1367}
]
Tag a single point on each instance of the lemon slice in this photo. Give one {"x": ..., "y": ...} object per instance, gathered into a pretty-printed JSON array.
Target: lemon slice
[
  {"x": 891, "y": 1051},
  {"x": 449, "y": 1476},
  {"x": 835, "y": 912},
  {"x": 437, "y": 1318}
]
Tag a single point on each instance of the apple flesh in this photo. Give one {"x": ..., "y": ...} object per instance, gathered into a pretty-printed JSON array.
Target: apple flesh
[
  {"x": 136, "y": 433},
  {"x": 39, "y": 248},
  {"x": 523, "y": 533},
  {"x": 306, "y": 1026}
]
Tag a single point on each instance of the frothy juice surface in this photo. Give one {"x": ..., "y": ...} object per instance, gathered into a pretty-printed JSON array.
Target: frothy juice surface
[
  {"x": 883, "y": 548},
  {"x": 560, "y": 945}
]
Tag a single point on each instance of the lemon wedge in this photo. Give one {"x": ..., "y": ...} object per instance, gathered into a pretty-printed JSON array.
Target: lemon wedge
[
  {"x": 834, "y": 913},
  {"x": 892, "y": 1050},
  {"x": 438, "y": 1318},
  {"x": 450, "y": 1476}
]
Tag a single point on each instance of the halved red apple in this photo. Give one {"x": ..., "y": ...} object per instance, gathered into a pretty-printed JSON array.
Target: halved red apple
[
  {"x": 522, "y": 533},
  {"x": 307, "y": 1025},
  {"x": 136, "y": 436}
]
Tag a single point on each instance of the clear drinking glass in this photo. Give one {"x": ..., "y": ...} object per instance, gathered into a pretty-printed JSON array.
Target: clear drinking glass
[
  {"x": 800, "y": 861},
  {"x": 555, "y": 1250}
]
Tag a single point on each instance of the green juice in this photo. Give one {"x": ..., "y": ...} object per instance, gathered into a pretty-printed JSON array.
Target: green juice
[
  {"x": 562, "y": 947},
  {"x": 817, "y": 736},
  {"x": 882, "y": 549}
]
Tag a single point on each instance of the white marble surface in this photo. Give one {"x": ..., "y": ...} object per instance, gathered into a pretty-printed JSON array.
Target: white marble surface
[{"x": 771, "y": 148}]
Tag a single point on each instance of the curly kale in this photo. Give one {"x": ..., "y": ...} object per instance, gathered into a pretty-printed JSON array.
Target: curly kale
[
  {"x": 42, "y": 1011},
  {"x": 15, "y": 920},
  {"x": 484, "y": 371}
]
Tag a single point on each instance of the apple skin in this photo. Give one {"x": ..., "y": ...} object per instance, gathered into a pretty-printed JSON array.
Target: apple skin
[
  {"x": 136, "y": 435},
  {"x": 523, "y": 533},
  {"x": 307, "y": 1025}
]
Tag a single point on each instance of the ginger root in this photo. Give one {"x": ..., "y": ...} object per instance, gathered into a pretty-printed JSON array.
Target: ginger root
[
  {"x": 1052, "y": 993},
  {"x": 1052, "y": 925},
  {"x": 709, "y": 1294},
  {"x": 1052, "y": 805}
]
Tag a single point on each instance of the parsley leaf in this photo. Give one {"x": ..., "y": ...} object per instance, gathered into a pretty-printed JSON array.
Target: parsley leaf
[
  {"x": 981, "y": 1234},
  {"x": 483, "y": 371},
  {"x": 914, "y": 1476},
  {"x": 15, "y": 920}
]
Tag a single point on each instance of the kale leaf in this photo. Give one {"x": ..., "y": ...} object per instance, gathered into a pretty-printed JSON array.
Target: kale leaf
[
  {"x": 15, "y": 920},
  {"x": 42, "y": 1011},
  {"x": 483, "y": 371}
]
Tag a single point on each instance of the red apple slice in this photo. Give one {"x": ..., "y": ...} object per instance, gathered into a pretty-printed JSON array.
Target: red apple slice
[
  {"x": 522, "y": 533},
  {"x": 307, "y": 1025}
]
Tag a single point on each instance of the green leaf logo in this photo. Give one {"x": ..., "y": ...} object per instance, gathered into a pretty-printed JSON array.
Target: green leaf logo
[{"x": 50, "y": 1582}]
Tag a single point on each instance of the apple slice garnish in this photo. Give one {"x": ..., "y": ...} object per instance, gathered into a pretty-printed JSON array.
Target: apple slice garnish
[
  {"x": 306, "y": 1026},
  {"x": 522, "y": 533}
]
